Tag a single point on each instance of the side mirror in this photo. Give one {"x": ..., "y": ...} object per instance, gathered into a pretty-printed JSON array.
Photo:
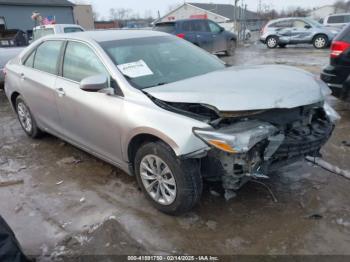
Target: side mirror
[
  {"x": 94, "y": 83},
  {"x": 222, "y": 29},
  {"x": 307, "y": 26}
]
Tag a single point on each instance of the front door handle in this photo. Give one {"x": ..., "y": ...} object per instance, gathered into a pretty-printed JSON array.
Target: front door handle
[
  {"x": 23, "y": 77},
  {"x": 60, "y": 92}
]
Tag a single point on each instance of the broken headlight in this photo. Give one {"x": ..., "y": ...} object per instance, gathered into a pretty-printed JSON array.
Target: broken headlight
[{"x": 237, "y": 138}]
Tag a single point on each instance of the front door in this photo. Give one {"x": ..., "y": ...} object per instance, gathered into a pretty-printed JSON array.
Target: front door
[
  {"x": 219, "y": 37},
  {"x": 301, "y": 32},
  {"x": 88, "y": 118}
]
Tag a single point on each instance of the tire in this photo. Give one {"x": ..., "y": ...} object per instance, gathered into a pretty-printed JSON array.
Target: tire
[
  {"x": 184, "y": 175},
  {"x": 282, "y": 45},
  {"x": 26, "y": 119},
  {"x": 231, "y": 48},
  {"x": 320, "y": 41},
  {"x": 272, "y": 42}
]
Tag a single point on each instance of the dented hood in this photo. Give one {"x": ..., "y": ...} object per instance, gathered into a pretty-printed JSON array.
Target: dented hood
[{"x": 246, "y": 88}]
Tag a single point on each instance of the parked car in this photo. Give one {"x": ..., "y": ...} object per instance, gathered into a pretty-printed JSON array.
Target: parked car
[
  {"x": 13, "y": 38},
  {"x": 337, "y": 73},
  {"x": 167, "y": 111},
  {"x": 44, "y": 30},
  {"x": 203, "y": 33},
  {"x": 336, "y": 20},
  {"x": 285, "y": 31},
  {"x": 12, "y": 51}
]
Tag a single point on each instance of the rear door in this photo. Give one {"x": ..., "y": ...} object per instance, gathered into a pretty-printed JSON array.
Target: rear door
[
  {"x": 283, "y": 30},
  {"x": 38, "y": 77},
  {"x": 89, "y": 119}
]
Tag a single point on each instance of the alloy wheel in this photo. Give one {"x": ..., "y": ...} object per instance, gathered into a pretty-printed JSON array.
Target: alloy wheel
[
  {"x": 320, "y": 42},
  {"x": 272, "y": 42},
  {"x": 24, "y": 117},
  {"x": 158, "y": 179}
]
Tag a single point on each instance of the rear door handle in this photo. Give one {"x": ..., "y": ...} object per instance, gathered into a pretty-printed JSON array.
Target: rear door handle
[
  {"x": 23, "y": 77},
  {"x": 60, "y": 92}
]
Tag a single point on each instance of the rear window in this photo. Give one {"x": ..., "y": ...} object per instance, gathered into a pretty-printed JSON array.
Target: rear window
[
  {"x": 39, "y": 33},
  {"x": 344, "y": 35},
  {"x": 165, "y": 27},
  {"x": 72, "y": 29},
  {"x": 338, "y": 19}
]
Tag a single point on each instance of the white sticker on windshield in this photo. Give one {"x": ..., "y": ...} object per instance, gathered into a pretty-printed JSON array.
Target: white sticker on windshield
[{"x": 135, "y": 69}]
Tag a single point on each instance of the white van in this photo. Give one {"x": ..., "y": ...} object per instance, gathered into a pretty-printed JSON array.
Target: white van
[
  {"x": 44, "y": 30},
  {"x": 336, "y": 20}
]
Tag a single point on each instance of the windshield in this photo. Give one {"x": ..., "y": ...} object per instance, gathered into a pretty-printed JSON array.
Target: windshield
[
  {"x": 153, "y": 61},
  {"x": 313, "y": 22},
  {"x": 72, "y": 29}
]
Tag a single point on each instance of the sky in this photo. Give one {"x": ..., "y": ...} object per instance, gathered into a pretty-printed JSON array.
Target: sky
[{"x": 142, "y": 6}]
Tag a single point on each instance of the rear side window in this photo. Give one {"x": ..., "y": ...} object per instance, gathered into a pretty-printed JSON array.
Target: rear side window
[
  {"x": 47, "y": 56},
  {"x": 72, "y": 29},
  {"x": 81, "y": 62},
  {"x": 165, "y": 27},
  {"x": 282, "y": 24},
  {"x": 200, "y": 26},
  {"x": 337, "y": 19}
]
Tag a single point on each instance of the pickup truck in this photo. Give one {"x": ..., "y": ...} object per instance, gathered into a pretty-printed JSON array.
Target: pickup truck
[{"x": 11, "y": 49}]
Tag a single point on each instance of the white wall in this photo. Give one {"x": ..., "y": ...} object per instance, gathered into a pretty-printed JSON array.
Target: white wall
[
  {"x": 323, "y": 12},
  {"x": 186, "y": 11}
]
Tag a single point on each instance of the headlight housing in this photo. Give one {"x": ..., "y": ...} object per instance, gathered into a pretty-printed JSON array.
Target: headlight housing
[
  {"x": 331, "y": 113},
  {"x": 237, "y": 138}
]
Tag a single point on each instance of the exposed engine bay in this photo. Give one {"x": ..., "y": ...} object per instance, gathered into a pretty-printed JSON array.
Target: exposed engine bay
[{"x": 252, "y": 144}]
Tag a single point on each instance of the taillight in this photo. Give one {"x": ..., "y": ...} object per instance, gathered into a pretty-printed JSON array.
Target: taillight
[
  {"x": 181, "y": 35},
  {"x": 338, "y": 47}
]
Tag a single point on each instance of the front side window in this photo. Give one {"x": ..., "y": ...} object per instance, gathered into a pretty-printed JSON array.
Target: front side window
[
  {"x": 214, "y": 28},
  {"x": 47, "y": 56},
  {"x": 299, "y": 24},
  {"x": 81, "y": 62},
  {"x": 153, "y": 61}
]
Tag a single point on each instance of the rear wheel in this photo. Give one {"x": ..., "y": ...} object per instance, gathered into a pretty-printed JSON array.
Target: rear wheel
[
  {"x": 26, "y": 119},
  {"x": 231, "y": 48},
  {"x": 272, "y": 42},
  {"x": 320, "y": 41},
  {"x": 172, "y": 185}
]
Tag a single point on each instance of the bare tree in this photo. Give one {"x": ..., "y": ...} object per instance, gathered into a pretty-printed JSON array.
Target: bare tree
[{"x": 119, "y": 14}]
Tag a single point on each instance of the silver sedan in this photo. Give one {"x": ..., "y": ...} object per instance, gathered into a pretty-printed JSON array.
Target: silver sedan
[{"x": 166, "y": 111}]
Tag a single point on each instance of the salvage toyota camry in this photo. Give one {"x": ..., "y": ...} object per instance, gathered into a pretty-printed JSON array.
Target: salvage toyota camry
[{"x": 166, "y": 111}]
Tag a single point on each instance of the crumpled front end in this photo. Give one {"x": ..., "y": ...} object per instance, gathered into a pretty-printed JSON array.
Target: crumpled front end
[{"x": 252, "y": 146}]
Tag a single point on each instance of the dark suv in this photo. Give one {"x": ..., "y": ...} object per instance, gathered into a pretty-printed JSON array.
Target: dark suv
[
  {"x": 337, "y": 73},
  {"x": 203, "y": 33}
]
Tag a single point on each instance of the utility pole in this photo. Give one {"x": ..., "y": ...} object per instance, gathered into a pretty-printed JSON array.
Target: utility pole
[{"x": 235, "y": 16}]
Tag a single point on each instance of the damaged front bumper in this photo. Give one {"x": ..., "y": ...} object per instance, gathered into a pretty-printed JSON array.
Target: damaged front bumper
[{"x": 251, "y": 148}]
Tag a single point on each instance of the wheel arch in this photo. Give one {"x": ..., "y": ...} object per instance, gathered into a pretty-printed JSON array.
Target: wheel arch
[
  {"x": 320, "y": 34},
  {"x": 139, "y": 139},
  {"x": 13, "y": 98}
]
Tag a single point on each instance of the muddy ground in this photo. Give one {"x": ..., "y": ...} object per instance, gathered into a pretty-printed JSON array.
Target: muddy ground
[{"x": 72, "y": 203}]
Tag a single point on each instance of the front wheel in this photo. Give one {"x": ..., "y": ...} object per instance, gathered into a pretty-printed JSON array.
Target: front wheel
[
  {"x": 231, "y": 48},
  {"x": 26, "y": 119},
  {"x": 172, "y": 185},
  {"x": 320, "y": 42}
]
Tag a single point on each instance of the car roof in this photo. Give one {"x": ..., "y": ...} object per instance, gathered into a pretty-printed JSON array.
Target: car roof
[
  {"x": 108, "y": 35},
  {"x": 183, "y": 20},
  {"x": 339, "y": 14},
  {"x": 287, "y": 18}
]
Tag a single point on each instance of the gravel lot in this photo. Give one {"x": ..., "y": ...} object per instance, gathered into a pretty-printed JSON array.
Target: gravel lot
[{"x": 73, "y": 203}]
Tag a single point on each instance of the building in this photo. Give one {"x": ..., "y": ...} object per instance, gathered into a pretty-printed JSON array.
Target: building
[
  {"x": 16, "y": 14},
  {"x": 107, "y": 24},
  {"x": 322, "y": 12},
  {"x": 83, "y": 16},
  {"x": 220, "y": 13}
]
